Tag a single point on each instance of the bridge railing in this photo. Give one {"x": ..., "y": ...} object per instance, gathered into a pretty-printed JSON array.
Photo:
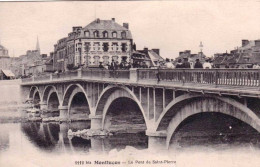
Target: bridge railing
[
  {"x": 104, "y": 73},
  {"x": 234, "y": 77},
  {"x": 217, "y": 77}
]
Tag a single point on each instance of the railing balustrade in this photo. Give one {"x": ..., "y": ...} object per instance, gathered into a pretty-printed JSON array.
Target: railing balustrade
[
  {"x": 216, "y": 77},
  {"x": 234, "y": 77}
]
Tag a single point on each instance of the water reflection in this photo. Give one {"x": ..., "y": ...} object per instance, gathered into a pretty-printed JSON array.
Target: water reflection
[{"x": 53, "y": 137}]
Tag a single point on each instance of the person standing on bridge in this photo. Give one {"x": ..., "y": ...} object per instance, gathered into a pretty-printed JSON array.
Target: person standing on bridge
[
  {"x": 112, "y": 69},
  {"x": 186, "y": 63},
  {"x": 179, "y": 64},
  {"x": 198, "y": 64},
  {"x": 207, "y": 64}
]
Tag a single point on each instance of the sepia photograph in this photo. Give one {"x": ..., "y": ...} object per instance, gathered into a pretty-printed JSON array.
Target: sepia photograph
[{"x": 130, "y": 83}]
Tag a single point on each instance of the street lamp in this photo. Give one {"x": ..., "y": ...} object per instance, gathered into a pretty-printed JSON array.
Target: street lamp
[{"x": 79, "y": 49}]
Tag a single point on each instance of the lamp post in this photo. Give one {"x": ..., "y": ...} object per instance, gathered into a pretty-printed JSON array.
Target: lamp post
[{"x": 79, "y": 49}]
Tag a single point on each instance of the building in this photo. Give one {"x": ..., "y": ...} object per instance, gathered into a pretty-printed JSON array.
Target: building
[
  {"x": 60, "y": 58},
  {"x": 99, "y": 41},
  {"x": 6, "y": 75},
  {"x": 43, "y": 66},
  {"x": 4, "y": 58},
  {"x": 20, "y": 65},
  {"x": 150, "y": 57},
  {"x": 241, "y": 57},
  {"x": 191, "y": 57}
]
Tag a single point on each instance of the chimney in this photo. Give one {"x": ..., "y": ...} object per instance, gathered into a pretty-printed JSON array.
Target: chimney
[
  {"x": 77, "y": 28},
  {"x": 113, "y": 19},
  {"x": 146, "y": 50},
  {"x": 257, "y": 43},
  {"x": 98, "y": 20},
  {"x": 134, "y": 46},
  {"x": 126, "y": 25},
  {"x": 245, "y": 42},
  {"x": 156, "y": 51}
]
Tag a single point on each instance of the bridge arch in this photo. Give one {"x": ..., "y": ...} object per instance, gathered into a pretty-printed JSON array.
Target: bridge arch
[
  {"x": 186, "y": 106},
  {"x": 48, "y": 90},
  {"x": 51, "y": 97},
  {"x": 32, "y": 92},
  {"x": 72, "y": 92},
  {"x": 112, "y": 93},
  {"x": 35, "y": 95}
]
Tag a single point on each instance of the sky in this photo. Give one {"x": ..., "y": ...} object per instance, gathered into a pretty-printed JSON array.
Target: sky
[{"x": 170, "y": 26}]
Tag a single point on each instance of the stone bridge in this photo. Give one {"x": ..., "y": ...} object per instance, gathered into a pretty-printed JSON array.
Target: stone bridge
[{"x": 164, "y": 98}]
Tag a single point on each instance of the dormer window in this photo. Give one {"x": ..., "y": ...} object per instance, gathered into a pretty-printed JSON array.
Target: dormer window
[
  {"x": 96, "y": 34},
  {"x": 86, "y": 34},
  {"x": 105, "y": 34},
  {"x": 114, "y": 34},
  {"x": 123, "y": 34}
]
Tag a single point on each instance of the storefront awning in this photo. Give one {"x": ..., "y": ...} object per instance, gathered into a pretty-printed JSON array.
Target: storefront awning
[{"x": 8, "y": 73}]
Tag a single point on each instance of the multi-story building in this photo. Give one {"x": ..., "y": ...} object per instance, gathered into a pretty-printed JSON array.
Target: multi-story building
[
  {"x": 60, "y": 58},
  {"x": 99, "y": 41},
  {"x": 103, "y": 40}
]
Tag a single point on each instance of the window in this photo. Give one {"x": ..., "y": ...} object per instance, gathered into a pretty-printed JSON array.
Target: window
[
  {"x": 114, "y": 46},
  {"x": 96, "y": 34},
  {"x": 87, "y": 47},
  {"x": 124, "y": 48},
  {"x": 123, "y": 34},
  {"x": 86, "y": 34},
  {"x": 114, "y": 34},
  {"x": 105, "y": 60},
  {"x": 115, "y": 58},
  {"x": 105, "y": 34},
  {"x": 96, "y": 60},
  {"x": 96, "y": 46},
  {"x": 105, "y": 46}
]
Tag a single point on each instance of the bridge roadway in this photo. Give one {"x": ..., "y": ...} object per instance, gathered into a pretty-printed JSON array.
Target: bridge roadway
[{"x": 165, "y": 104}]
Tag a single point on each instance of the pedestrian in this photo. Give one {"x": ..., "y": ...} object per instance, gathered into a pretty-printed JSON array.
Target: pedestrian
[
  {"x": 116, "y": 69},
  {"x": 158, "y": 74},
  {"x": 198, "y": 64},
  {"x": 169, "y": 64},
  {"x": 112, "y": 69},
  {"x": 179, "y": 64},
  {"x": 101, "y": 65},
  {"x": 207, "y": 64},
  {"x": 185, "y": 64}
]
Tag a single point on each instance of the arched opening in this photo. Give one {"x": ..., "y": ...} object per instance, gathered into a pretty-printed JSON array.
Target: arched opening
[
  {"x": 213, "y": 129},
  {"x": 79, "y": 107},
  {"x": 53, "y": 103},
  {"x": 125, "y": 120},
  {"x": 186, "y": 107},
  {"x": 36, "y": 100},
  {"x": 124, "y": 116}
]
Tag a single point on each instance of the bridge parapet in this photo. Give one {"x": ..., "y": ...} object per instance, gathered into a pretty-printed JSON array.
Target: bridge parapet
[
  {"x": 219, "y": 80},
  {"x": 232, "y": 77}
]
